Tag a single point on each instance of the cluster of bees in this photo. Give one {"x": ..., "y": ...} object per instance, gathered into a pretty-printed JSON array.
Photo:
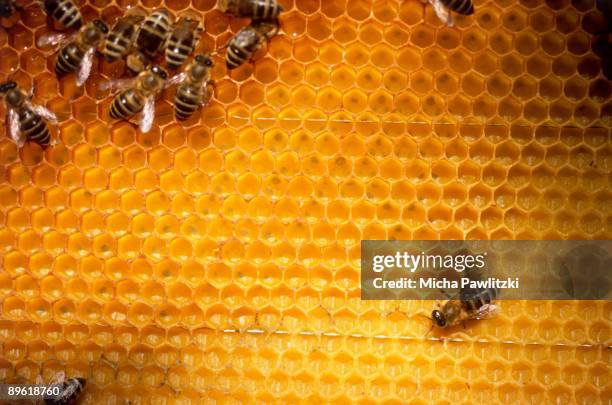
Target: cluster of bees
[{"x": 146, "y": 42}]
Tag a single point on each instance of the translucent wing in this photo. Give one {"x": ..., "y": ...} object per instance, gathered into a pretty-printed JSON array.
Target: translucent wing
[
  {"x": 176, "y": 79},
  {"x": 13, "y": 128},
  {"x": 442, "y": 12},
  {"x": 147, "y": 115},
  {"x": 486, "y": 311},
  {"x": 85, "y": 68},
  {"x": 54, "y": 39},
  {"x": 43, "y": 112},
  {"x": 208, "y": 92},
  {"x": 58, "y": 378},
  {"x": 117, "y": 84}
]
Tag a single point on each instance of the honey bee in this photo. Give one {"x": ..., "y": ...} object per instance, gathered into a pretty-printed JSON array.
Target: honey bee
[
  {"x": 153, "y": 32},
  {"x": 26, "y": 121},
  {"x": 65, "y": 12},
  {"x": 255, "y": 9},
  {"x": 443, "y": 9},
  {"x": 192, "y": 90},
  {"x": 121, "y": 37},
  {"x": 471, "y": 304},
  {"x": 79, "y": 50},
  {"x": 182, "y": 41},
  {"x": 69, "y": 390},
  {"x": 137, "y": 95},
  {"x": 248, "y": 40}
]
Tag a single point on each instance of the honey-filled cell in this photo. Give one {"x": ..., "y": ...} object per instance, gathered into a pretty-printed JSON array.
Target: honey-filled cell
[{"x": 217, "y": 258}]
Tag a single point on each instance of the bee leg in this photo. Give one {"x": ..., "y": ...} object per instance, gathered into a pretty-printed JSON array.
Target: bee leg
[
  {"x": 463, "y": 323},
  {"x": 277, "y": 26}
]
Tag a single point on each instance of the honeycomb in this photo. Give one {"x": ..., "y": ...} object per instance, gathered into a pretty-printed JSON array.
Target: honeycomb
[{"x": 218, "y": 260}]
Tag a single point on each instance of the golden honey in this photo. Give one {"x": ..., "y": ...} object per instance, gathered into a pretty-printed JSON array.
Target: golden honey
[{"x": 218, "y": 259}]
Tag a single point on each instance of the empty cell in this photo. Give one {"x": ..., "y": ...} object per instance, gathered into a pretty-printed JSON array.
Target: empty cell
[{"x": 422, "y": 36}]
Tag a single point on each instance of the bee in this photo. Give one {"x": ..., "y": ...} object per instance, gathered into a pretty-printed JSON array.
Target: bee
[
  {"x": 153, "y": 32},
  {"x": 78, "y": 53},
  {"x": 138, "y": 95},
  {"x": 26, "y": 121},
  {"x": 255, "y": 9},
  {"x": 192, "y": 90},
  {"x": 247, "y": 41},
  {"x": 121, "y": 37},
  {"x": 182, "y": 41},
  {"x": 69, "y": 390},
  {"x": 443, "y": 9},
  {"x": 65, "y": 12},
  {"x": 471, "y": 304}
]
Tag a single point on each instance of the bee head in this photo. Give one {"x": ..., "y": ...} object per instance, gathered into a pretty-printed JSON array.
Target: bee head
[
  {"x": 204, "y": 60},
  {"x": 159, "y": 71},
  {"x": 101, "y": 25},
  {"x": 438, "y": 318}
]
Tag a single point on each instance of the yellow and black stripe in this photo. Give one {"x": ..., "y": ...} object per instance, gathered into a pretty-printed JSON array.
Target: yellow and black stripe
[
  {"x": 242, "y": 46},
  {"x": 179, "y": 48},
  {"x": 127, "y": 103},
  {"x": 260, "y": 9},
  {"x": 34, "y": 127},
  {"x": 153, "y": 32},
  {"x": 119, "y": 39},
  {"x": 255, "y": 9},
  {"x": 473, "y": 299},
  {"x": 64, "y": 11},
  {"x": 186, "y": 101},
  {"x": 68, "y": 59},
  {"x": 465, "y": 7}
]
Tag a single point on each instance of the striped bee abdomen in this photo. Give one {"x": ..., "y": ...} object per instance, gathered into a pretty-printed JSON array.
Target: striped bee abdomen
[
  {"x": 186, "y": 101},
  {"x": 465, "y": 7},
  {"x": 34, "y": 127},
  {"x": 473, "y": 299},
  {"x": 178, "y": 50},
  {"x": 242, "y": 47},
  {"x": 68, "y": 59},
  {"x": 261, "y": 9},
  {"x": 119, "y": 39},
  {"x": 64, "y": 11},
  {"x": 126, "y": 104},
  {"x": 153, "y": 33}
]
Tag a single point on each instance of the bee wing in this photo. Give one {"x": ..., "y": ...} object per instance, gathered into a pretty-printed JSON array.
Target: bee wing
[
  {"x": 117, "y": 84},
  {"x": 208, "y": 92},
  {"x": 13, "y": 128},
  {"x": 442, "y": 12},
  {"x": 43, "y": 112},
  {"x": 176, "y": 79},
  {"x": 58, "y": 378},
  {"x": 54, "y": 39},
  {"x": 486, "y": 311},
  {"x": 147, "y": 115},
  {"x": 85, "y": 67}
]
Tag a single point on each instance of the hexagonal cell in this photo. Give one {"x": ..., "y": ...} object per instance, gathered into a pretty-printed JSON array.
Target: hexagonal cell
[
  {"x": 422, "y": 36},
  {"x": 489, "y": 17}
]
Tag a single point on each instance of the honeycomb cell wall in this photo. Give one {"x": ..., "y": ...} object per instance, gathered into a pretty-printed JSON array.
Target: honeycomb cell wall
[{"x": 217, "y": 260}]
